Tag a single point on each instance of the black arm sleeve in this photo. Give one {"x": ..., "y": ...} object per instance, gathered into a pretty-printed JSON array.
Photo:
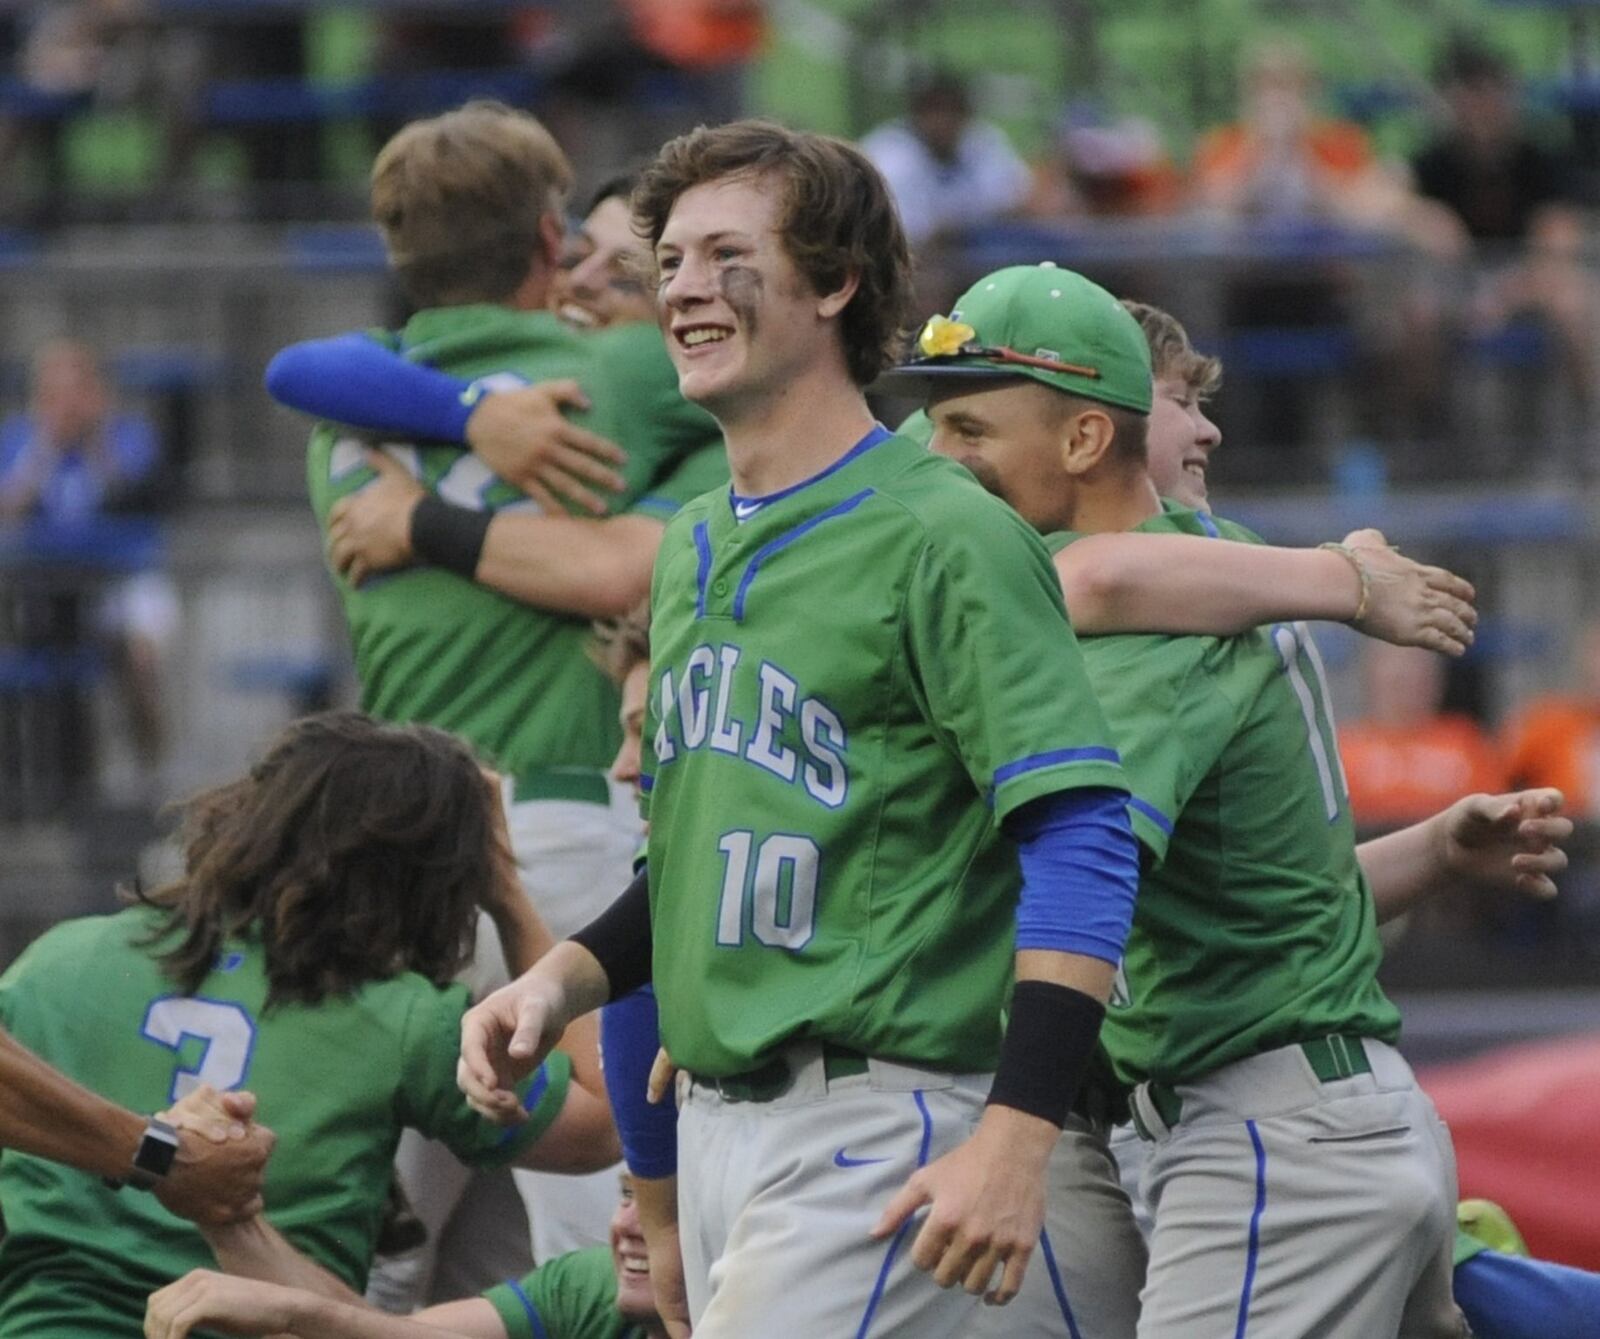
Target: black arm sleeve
[
  {"x": 619, "y": 938},
  {"x": 1049, "y": 1042}
]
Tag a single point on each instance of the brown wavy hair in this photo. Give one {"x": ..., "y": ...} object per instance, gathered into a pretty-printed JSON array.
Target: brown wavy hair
[
  {"x": 1171, "y": 353},
  {"x": 838, "y": 220},
  {"x": 354, "y": 850}
]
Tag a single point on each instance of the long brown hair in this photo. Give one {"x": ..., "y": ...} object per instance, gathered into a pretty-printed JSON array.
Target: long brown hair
[{"x": 354, "y": 850}]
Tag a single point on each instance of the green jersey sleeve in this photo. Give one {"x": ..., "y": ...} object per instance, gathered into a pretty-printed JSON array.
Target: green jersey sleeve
[
  {"x": 998, "y": 667},
  {"x": 574, "y": 1296},
  {"x": 699, "y": 472},
  {"x": 435, "y": 1106}
]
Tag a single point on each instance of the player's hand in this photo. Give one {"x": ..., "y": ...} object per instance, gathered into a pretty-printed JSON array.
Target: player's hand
[
  {"x": 662, "y": 1073},
  {"x": 205, "y": 1299},
  {"x": 523, "y": 436},
  {"x": 503, "y": 1040},
  {"x": 213, "y": 1115},
  {"x": 370, "y": 531},
  {"x": 215, "y": 1183},
  {"x": 985, "y": 1205},
  {"x": 1511, "y": 842},
  {"x": 1410, "y": 603}
]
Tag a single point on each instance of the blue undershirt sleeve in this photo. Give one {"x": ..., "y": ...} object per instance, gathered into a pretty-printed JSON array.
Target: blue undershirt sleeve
[
  {"x": 1509, "y": 1297},
  {"x": 629, "y": 1037},
  {"x": 1080, "y": 872},
  {"x": 353, "y": 379}
]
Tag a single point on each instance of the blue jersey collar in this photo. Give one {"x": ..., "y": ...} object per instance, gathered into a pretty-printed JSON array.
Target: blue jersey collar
[{"x": 746, "y": 507}]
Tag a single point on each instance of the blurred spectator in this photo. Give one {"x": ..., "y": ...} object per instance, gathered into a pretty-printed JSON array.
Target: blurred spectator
[
  {"x": 1406, "y": 760},
  {"x": 1283, "y": 161},
  {"x": 1286, "y": 168},
  {"x": 707, "y": 42},
  {"x": 1555, "y": 740},
  {"x": 1106, "y": 170},
  {"x": 72, "y": 458},
  {"x": 66, "y": 57},
  {"x": 1510, "y": 199},
  {"x": 946, "y": 169}
]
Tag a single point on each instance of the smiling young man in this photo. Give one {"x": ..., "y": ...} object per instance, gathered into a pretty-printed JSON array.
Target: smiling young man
[
  {"x": 1246, "y": 1013},
  {"x": 852, "y": 649}
]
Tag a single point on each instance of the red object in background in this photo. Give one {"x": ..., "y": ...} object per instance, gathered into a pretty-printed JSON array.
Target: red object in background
[{"x": 1524, "y": 1121}]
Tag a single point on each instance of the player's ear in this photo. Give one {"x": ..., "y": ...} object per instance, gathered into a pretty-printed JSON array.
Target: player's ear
[
  {"x": 552, "y": 235},
  {"x": 831, "y": 304},
  {"x": 1086, "y": 440}
]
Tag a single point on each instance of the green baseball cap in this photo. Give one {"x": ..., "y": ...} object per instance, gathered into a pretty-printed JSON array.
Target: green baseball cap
[{"x": 1037, "y": 321}]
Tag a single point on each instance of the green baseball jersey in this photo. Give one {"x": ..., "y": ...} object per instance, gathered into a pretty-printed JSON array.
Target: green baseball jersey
[
  {"x": 337, "y": 1082},
  {"x": 431, "y": 646},
  {"x": 1254, "y": 926},
  {"x": 851, "y": 688},
  {"x": 572, "y": 1297}
]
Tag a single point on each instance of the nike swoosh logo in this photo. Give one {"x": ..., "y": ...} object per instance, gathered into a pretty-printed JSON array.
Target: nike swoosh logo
[
  {"x": 745, "y": 510},
  {"x": 841, "y": 1159}
]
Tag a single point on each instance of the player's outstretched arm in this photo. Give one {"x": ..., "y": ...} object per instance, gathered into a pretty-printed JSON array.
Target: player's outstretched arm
[
  {"x": 526, "y": 439},
  {"x": 1510, "y": 842},
  {"x": 1188, "y": 584},
  {"x": 223, "y": 1304},
  {"x": 592, "y": 568},
  {"x": 524, "y": 937},
  {"x": 506, "y": 1035}
]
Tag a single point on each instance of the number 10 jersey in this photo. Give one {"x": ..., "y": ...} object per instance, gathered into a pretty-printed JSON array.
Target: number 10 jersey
[{"x": 853, "y": 682}]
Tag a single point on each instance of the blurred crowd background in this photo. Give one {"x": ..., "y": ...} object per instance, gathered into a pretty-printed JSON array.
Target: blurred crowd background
[{"x": 1381, "y": 215}]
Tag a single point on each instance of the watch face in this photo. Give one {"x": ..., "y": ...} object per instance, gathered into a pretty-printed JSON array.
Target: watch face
[{"x": 156, "y": 1154}]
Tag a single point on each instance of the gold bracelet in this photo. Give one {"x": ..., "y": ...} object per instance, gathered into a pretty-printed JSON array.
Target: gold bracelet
[{"x": 1351, "y": 557}]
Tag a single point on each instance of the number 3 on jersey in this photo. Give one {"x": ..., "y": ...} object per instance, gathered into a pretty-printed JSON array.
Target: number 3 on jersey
[
  {"x": 227, "y": 1035},
  {"x": 778, "y": 901}
]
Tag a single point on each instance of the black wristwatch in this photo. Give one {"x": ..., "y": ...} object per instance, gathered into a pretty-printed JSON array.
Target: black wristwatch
[{"x": 152, "y": 1160}]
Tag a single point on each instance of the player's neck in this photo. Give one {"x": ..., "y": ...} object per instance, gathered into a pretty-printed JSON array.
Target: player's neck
[
  {"x": 533, "y": 294},
  {"x": 1114, "y": 504},
  {"x": 786, "y": 438}
]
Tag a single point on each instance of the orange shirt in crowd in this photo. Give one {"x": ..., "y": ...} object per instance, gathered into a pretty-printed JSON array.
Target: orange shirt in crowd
[
  {"x": 1555, "y": 741},
  {"x": 1338, "y": 151},
  {"x": 698, "y": 34},
  {"x": 1401, "y": 774}
]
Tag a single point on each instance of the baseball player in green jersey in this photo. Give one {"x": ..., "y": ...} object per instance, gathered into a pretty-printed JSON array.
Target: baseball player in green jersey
[
  {"x": 476, "y": 249},
  {"x": 328, "y": 898},
  {"x": 1247, "y": 1009},
  {"x": 602, "y": 1292},
  {"x": 842, "y": 666}
]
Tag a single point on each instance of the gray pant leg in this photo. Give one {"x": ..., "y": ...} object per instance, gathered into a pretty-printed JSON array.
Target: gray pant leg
[
  {"x": 1132, "y": 1154},
  {"x": 1325, "y": 1222},
  {"x": 778, "y": 1199},
  {"x": 1083, "y": 1281}
]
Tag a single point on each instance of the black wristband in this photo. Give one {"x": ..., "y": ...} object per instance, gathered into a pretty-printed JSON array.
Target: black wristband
[
  {"x": 619, "y": 938},
  {"x": 1049, "y": 1044},
  {"x": 449, "y": 536}
]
